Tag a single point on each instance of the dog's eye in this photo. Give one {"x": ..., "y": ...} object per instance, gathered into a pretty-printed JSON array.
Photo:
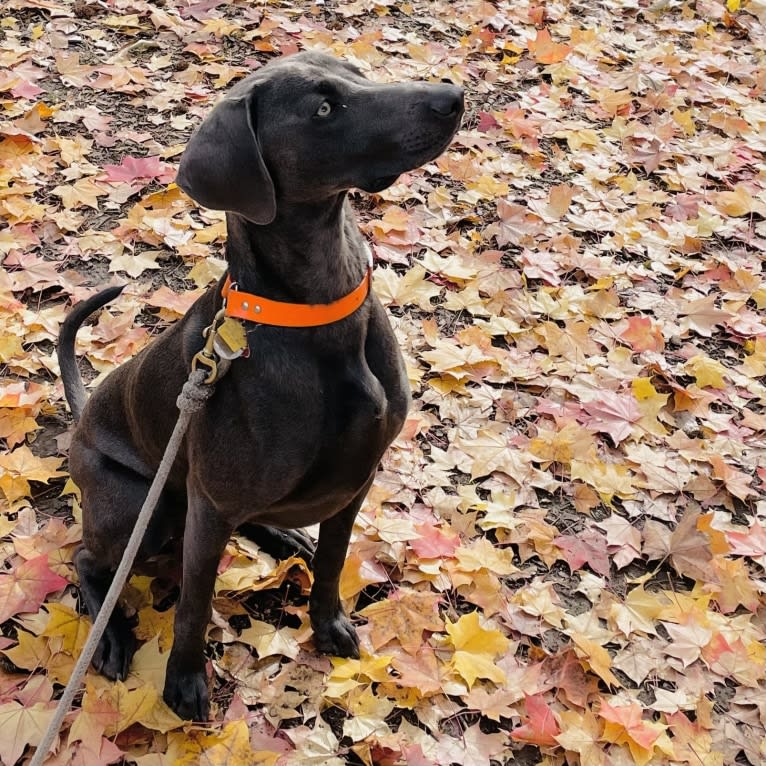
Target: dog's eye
[{"x": 324, "y": 109}]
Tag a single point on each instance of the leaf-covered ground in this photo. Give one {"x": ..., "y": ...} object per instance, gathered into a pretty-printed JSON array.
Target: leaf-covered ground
[{"x": 562, "y": 560}]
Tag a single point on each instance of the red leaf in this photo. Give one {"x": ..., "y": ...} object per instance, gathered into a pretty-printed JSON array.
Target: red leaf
[
  {"x": 613, "y": 414},
  {"x": 587, "y": 547},
  {"x": 132, "y": 168},
  {"x": 25, "y": 588},
  {"x": 541, "y": 727},
  {"x": 432, "y": 543}
]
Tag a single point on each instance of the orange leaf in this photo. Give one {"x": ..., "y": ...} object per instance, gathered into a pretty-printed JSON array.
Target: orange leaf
[
  {"x": 643, "y": 335},
  {"x": 545, "y": 50}
]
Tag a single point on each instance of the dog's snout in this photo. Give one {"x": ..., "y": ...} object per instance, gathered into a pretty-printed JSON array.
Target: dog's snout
[{"x": 447, "y": 101}]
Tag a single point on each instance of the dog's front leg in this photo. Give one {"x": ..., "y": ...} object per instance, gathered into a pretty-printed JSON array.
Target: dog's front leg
[
  {"x": 333, "y": 632},
  {"x": 205, "y": 539}
]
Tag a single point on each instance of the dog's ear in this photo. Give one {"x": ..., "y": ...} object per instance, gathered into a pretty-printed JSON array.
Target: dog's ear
[{"x": 222, "y": 167}]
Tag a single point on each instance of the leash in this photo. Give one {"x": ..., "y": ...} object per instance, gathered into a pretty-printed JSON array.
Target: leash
[{"x": 195, "y": 393}]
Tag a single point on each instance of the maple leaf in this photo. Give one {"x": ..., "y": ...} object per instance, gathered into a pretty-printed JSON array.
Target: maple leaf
[
  {"x": 638, "y": 612},
  {"x": 474, "y": 746},
  {"x": 588, "y": 546},
  {"x": 25, "y": 588},
  {"x": 433, "y": 543},
  {"x": 19, "y": 467},
  {"x": 67, "y": 625},
  {"x": 545, "y": 50},
  {"x": 540, "y": 726},
  {"x": 267, "y": 640},
  {"x": 625, "y": 726},
  {"x": 171, "y": 303},
  {"x": 750, "y": 543},
  {"x": 736, "y": 482},
  {"x": 581, "y": 734},
  {"x": 405, "y": 614},
  {"x": 476, "y": 648},
  {"x": 95, "y": 716},
  {"x": 701, "y": 315},
  {"x": 135, "y": 265},
  {"x": 643, "y": 335},
  {"x": 687, "y": 547},
  {"x": 687, "y": 641},
  {"x": 736, "y": 588},
  {"x": 613, "y": 414},
  {"x": 606, "y": 478},
  {"x": 22, "y": 726},
  {"x": 132, "y": 168},
  {"x": 228, "y": 747}
]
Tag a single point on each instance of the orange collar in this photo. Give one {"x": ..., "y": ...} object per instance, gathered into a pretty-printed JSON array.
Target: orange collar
[{"x": 253, "y": 308}]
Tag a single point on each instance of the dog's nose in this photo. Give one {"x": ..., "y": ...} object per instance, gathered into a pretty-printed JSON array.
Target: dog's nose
[{"x": 447, "y": 100}]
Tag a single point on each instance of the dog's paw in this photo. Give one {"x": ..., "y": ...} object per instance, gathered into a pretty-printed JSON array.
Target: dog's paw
[
  {"x": 186, "y": 695},
  {"x": 337, "y": 637},
  {"x": 114, "y": 652},
  {"x": 298, "y": 543},
  {"x": 280, "y": 543}
]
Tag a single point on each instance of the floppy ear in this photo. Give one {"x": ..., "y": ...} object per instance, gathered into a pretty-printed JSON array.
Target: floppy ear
[{"x": 222, "y": 167}]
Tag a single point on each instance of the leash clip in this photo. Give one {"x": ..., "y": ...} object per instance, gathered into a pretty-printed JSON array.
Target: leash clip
[
  {"x": 206, "y": 356},
  {"x": 201, "y": 358}
]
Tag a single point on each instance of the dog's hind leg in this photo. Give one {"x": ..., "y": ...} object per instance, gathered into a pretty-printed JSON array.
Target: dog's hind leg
[
  {"x": 117, "y": 645},
  {"x": 279, "y": 543},
  {"x": 112, "y": 496}
]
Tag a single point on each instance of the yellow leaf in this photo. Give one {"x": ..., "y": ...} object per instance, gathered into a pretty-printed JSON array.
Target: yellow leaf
[
  {"x": 733, "y": 5},
  {"x": 739, "y": 202},
  {"x": 625, "y": 726},
  {"x": 685, "y": 120},
  {"x": 476, "y": 649},
  {"x": 637, "y": 613},
  {"x": 707, "y": 371},
  {"x": 347, "y": 674},
  {"x": 132, "y": 705},
  {"x": 207, "y": 270},
  {"x": 596, "y": 656},
  {"x": 736, "y": 586},
  {"x": 152, "y": 623},
  {"x": 16, "y": 424},
  {"x": 10, "y": 348},
  {"x": 31, "y": 652},
  {"x": 69, "y": 626},
  {"x": 19, "y": 467},
  {"x": 268, "y": 640},
  {"x": 149, "y": 664},
  {"x": 608, "y": 479},
  {"x": 229, "y": 747},
  {"x": 580, "y": 733}
]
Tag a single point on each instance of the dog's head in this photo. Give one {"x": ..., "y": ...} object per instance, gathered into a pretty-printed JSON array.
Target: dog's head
[{"x": 309, "y": 126}]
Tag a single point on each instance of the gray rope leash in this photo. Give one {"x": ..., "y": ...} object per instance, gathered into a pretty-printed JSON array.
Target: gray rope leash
[{"x": 194, "y": 394}]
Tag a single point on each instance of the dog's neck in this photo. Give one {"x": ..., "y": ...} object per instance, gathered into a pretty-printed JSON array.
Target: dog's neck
[{"x": 310, "y": 253}]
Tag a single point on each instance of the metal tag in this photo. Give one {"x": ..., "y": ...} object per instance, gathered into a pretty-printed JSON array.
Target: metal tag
[{"x": 230, "y": 339}]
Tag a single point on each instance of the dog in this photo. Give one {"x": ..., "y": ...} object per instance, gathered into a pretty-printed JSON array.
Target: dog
[{"x": 294, "y": 432}]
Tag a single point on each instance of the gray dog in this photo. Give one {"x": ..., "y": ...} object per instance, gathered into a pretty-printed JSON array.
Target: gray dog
[{"x": 294, "y": 432}]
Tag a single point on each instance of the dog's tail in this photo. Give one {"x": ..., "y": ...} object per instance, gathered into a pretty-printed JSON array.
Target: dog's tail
[{"x": 74, "y": 390}]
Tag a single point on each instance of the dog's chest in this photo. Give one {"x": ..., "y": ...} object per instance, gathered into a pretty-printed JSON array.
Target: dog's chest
[{"x": 300, "y": 443}]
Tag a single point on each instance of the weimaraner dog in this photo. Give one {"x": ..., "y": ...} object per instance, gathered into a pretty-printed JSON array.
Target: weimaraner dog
[{"x": 293, "y": 433}]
